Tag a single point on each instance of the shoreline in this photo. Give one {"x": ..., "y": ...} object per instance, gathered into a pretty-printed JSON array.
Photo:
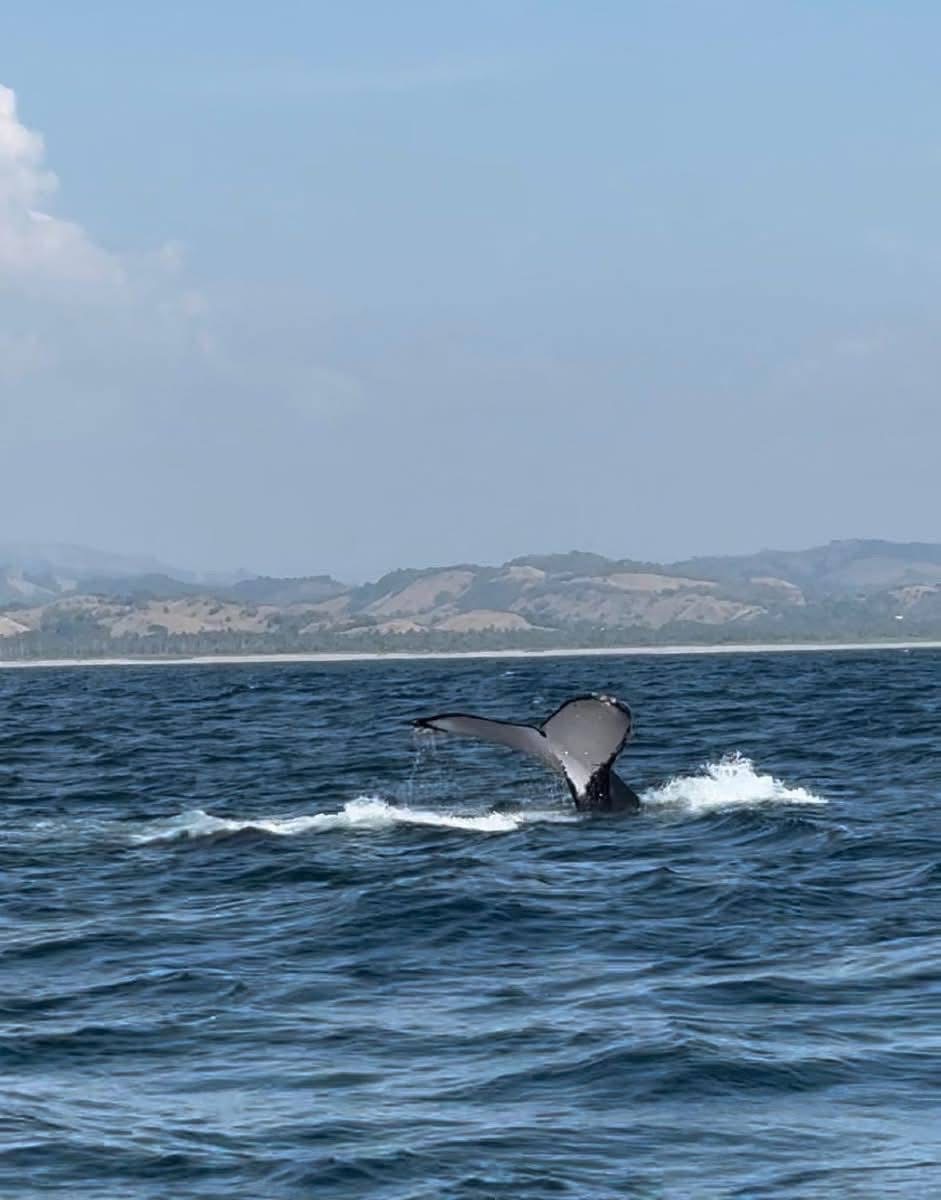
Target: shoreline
[{"x": 447, "y": 655}]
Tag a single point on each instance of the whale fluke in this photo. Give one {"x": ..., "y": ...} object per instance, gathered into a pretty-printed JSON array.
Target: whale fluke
[{"x": 580, "y": 741}]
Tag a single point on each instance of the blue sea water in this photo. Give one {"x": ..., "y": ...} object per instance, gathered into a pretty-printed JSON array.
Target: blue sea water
[{"x": 256, "y": 942}]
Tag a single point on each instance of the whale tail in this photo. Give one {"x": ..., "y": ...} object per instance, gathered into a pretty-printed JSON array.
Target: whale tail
[{"x": 580, "y": 741}]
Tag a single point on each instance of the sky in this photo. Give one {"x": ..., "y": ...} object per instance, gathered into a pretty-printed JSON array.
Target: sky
[{"x": 304, "y": 287}]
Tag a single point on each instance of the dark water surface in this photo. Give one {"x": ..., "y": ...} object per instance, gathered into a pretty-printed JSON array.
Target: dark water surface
[{"x": 254, "y": 944}]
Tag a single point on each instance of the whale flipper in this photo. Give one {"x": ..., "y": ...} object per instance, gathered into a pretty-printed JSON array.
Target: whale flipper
[{"x": 580, "y": 740}]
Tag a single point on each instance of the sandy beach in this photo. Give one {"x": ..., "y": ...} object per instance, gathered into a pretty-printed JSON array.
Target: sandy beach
[{"x": 405, "y": 656}]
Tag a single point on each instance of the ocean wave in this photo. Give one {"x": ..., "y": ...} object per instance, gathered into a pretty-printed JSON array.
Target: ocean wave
[
  {"x": 365, "y": 812},
  {"x": 732, "y": 782}
]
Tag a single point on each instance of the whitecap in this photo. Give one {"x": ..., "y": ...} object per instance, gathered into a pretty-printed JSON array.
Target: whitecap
[
  {"x": 732, "y": 782},
  {"x": 363, "y": 813}
]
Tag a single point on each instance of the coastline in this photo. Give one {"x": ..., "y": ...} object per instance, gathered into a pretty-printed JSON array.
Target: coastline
[{"x": 438, "y": 655}]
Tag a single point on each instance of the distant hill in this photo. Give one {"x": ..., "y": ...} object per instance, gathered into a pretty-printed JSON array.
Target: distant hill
[
  {"x": 68, "y": 600},
  {"x": 32, "y": 570},
  {"x": 265, "y": 590},
  {"x": 837, "y": 568}
]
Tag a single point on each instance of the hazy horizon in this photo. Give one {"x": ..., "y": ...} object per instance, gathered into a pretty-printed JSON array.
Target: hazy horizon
[
  {"x": 315, "y": 290},
  {"x": 14, "y": 552}
]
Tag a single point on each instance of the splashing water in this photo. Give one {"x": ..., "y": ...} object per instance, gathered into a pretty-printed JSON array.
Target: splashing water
[
  {"x": 366, "y": 812},
  {"x": 732, "y": 782}
]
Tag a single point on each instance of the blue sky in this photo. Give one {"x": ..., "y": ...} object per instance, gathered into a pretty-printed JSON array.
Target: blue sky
[{"x": 346, "y": 287}]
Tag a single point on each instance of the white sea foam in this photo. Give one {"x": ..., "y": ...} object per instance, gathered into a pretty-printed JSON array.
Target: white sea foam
[
  {"x": 732, "y": 782},
  {"x": 366, "y": 812}
]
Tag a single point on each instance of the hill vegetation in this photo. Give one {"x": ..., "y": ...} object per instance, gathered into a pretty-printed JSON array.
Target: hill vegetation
[{"x": 66, "y": 602}]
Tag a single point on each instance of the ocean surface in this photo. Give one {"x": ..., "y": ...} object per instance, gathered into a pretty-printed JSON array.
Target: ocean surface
[{"x": 256, "y": 940}]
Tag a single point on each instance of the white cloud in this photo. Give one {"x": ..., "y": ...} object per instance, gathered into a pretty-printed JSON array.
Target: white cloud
[
  {"x": 49, "y": 262},
  {"x": 104, "y": 346},
  {"x": 39, "y": 251},
  {"x": 23, "y": 180},
  {"x": 85, "y": 332}
]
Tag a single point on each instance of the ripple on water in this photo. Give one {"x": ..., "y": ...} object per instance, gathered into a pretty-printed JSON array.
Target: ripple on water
[{"x": 252, "y": 946}]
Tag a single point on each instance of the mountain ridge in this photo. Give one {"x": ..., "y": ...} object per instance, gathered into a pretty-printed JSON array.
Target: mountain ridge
[{"x": 855, "y": 588}]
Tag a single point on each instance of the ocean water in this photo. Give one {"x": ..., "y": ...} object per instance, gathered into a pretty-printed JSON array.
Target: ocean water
[{"x": 255, "y": 941}]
